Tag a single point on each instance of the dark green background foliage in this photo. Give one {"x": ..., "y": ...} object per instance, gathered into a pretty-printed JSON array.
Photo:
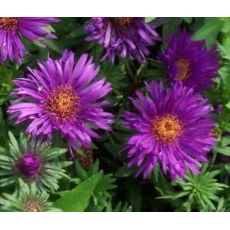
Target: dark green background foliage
[{"x": 107, "y": 184}]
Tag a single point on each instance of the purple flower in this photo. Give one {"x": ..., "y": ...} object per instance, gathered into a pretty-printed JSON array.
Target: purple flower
[
  {"x": 13, "y": 29},
  {"x": 29, "y": 165},
  {"x": 64, "y": 96},
  {"x": 189, "y": 61},
  {"x": 33, "y": 161},
  {"x": 129, "y": 37},
  {"x": 173, "y": 127}
]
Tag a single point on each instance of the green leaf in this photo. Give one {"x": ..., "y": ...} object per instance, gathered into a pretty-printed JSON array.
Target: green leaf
[
  {"x": 224, "y": 150},
  {"x": 149, "y": 19},
  {"x": 187, "y": 19},
  {"x": 5, "y": 82},
  {"x": 77, "y": 199},
  {"x": 124, "y": 171},
  {"x": 226, "y": 24},
  {"x": 170, "y": 27},
  {"x": 209, "y": 30},
  {"x": 225, "y": 47},
  {"x": 54, "y": 46},
  {"x": 14, "y": 142},
  {"x": 55, "y": 152},
  {"x": 2, "y": 150},
  {"x": 220, "y": 207},
  {"x": 80, "y": 152}
]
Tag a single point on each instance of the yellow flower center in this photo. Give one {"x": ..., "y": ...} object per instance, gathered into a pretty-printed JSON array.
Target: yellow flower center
[
  {"x": 183, "y": 67},
  {"x": 32, "y": 206},
  {"x": 166, "y": 128},
  {"x": 63, "y": 103},
  {"x": 8, "y": 23},
  {"x": 121, "y": 23}
]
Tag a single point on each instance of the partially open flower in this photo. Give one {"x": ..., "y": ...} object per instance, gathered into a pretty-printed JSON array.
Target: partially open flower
[
  {"x": 27, "y": 199},
  {"x": 33, "y": 161}
]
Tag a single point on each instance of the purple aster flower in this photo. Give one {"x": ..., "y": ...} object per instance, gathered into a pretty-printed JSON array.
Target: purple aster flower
[
  {"x": 64, "y": 96},
  {"x": 189, "y": 61},
  {"x": 172, "y": 126},
  {"x": 29, "y": 165},
  {"x": 129, "y": 37},
  {"x": 13, "y": 29}
]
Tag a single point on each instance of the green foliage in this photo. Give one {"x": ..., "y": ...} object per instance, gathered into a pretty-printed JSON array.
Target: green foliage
[
  {"x": 77, "y": 199},
  {"x": 6, "y": 75},
  {"x": 209, "y": 30},
  {"x": 199, "y": 192},
  {"x": 223, "y": 146},
  {"x": 122, "y": 208},
  {"x": 101, "y": 197},
  {"x": 171, "y": 25},
  {"x": 27, "y": 199},
  {"x": 149, "y": 19}
]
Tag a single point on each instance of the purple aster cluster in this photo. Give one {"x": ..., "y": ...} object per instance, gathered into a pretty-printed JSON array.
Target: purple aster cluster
[
  {"x": 12, "y": 29},
  {"x": 172, "y": 126},
  {"x": 63, "y": 96},
  {"x": 126, "y": 36},
  {"x": 190, "y": 61}
]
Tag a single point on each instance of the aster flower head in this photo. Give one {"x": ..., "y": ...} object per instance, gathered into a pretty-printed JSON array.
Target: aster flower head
[
  {"x": 12, "y": 29},
  {"x": 172, "y": 127},
  {"x": 27, "y": 199},
  {"x": 63, "y": 96},
  {"x": 32, "y": 161},
  {"x": 128, "y": 37},
  {"x": 189, "y": 61}
]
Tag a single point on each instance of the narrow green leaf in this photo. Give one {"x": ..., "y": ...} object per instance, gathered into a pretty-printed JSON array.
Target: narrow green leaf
[
  {"x": 14, "y": 142},
  {"x": 224, "y": 150},
  {"x": 56, "y": 152},
  {"x": 149, "y": 19},
  {"x": 187, "y": 19}
]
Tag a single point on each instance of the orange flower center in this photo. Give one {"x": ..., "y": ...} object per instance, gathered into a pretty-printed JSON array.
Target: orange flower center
[
  {"x": 8, "y": 23},
  {"x": 183, "y": 67},
  {"x": 166, "y": 128},
  {"x": 121, "y": 23},
  {"x": 63, "y": 103},
  {"x": 32, "y": 206}
]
